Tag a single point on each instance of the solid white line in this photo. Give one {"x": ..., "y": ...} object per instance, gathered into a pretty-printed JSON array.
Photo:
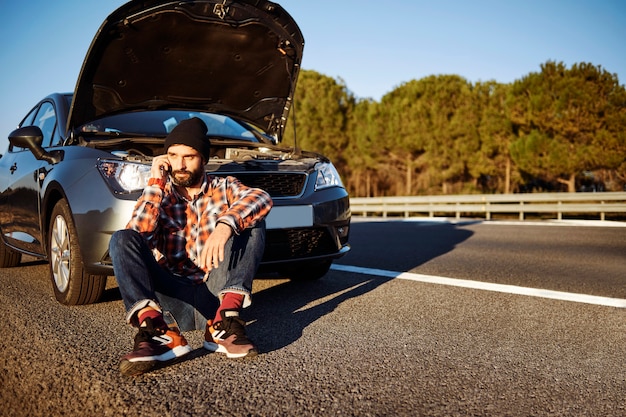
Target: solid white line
[{"x": 486, "y": 286}]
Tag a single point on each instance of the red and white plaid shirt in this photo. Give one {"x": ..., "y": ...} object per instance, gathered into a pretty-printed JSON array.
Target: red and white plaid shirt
[{"x": 176, "y": 229}]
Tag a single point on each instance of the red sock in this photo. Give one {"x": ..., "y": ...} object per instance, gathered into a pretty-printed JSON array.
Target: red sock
[
  {"x": 155, "y": 315},
  {"x": 231, "y": 301}
]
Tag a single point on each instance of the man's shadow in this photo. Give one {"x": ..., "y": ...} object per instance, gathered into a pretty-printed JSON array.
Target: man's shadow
[{"x": 280, "y": 314}]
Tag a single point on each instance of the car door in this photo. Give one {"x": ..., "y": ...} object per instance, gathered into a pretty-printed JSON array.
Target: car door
[{"x": 22, "y": 174}]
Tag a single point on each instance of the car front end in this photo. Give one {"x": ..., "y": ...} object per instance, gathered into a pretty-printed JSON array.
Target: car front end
[{"x": 79, "y": 161}]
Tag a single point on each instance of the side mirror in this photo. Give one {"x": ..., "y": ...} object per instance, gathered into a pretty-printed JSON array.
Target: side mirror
[{"x": 31, "y": 137}]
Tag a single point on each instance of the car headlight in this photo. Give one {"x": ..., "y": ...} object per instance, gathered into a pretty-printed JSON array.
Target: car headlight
[
  {"x": 124, "y": 177},
  {"x": 327, "y": 176}
]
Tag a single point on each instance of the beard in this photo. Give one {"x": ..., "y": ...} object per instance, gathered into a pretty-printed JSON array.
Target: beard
[{"x": 184, "y": 178}]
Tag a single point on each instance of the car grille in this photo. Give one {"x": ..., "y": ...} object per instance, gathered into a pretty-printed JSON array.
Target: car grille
[
  {"x": 284, "y": 244},
  {"x": 279, "y": 184}
]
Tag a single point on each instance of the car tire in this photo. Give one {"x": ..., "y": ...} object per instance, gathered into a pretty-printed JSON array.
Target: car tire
[
  {"x": 71, "y": 284},
  {"x": 307, "y": 271},
  {"x": 9, "y": 258}
]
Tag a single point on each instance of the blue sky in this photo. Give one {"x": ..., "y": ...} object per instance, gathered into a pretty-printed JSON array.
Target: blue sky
[{"x": 374, "y": 46}]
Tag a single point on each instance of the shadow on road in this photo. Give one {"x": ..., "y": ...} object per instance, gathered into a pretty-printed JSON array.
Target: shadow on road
[
  {"x": 282, "y": 312},
  {"x": 279, "y": 314}
]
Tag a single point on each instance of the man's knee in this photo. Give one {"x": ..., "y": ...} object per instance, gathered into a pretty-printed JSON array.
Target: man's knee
[
  {"x": 123, "y": 239},
  {"x": 250, "y": 241},
  {"x": 257, "y": 234}
]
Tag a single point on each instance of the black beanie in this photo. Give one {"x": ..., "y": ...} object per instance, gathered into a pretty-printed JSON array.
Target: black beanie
[{"x": 190, "y": 132}]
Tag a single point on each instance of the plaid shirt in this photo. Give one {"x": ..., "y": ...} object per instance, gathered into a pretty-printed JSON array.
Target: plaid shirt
[{"x": 176, "y": 229}]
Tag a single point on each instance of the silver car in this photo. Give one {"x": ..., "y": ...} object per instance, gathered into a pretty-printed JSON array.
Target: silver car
[{"x": 78, "y": 162}]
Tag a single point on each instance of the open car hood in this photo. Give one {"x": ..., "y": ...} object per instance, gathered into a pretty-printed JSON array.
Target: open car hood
[{"x": 239, "y": 58}]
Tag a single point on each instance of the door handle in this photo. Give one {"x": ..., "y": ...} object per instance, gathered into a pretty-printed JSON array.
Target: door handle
[{"x": 13, "y": 168}]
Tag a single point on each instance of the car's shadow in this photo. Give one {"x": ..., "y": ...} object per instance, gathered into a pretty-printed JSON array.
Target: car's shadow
[
  {"x": 110, "y": 294},
  {"x": 279, "y": 314}
]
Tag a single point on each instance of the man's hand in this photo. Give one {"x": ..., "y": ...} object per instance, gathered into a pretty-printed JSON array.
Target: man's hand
[
  {"x": 213, "y": 252},
  {"x": 160, "y": 167}
]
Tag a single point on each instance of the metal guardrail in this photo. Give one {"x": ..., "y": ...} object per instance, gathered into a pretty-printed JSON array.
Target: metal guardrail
[{"x": 488, "y": 204}]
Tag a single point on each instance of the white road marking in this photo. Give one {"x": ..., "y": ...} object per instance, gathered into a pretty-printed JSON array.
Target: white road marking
[{"x": 486, "y": 286}]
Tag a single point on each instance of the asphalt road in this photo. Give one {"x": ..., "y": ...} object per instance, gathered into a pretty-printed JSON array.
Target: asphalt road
[{"x": 365, "y": 343}]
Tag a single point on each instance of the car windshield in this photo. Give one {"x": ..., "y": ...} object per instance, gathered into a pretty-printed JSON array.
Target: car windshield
[{"x": 161, "y": 122}]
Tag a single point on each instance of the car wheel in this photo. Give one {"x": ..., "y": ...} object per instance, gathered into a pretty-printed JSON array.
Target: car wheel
[
  {"x": 9, "y": 258},
  {"x": 307, "y": 271},
  {"x": 72, "y": 285}
]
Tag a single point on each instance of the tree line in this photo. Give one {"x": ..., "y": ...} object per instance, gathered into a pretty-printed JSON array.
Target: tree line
[{"x": 559, "y": 129}]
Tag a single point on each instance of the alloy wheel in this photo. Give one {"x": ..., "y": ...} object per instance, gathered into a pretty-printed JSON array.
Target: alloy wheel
[{"x": 60, "y": 253}]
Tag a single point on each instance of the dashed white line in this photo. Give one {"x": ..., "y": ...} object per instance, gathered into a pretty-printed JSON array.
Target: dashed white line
[{"x": 486, "y": 286}]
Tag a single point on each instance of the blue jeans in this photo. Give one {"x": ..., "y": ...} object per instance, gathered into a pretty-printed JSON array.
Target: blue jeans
[{"x": 142, "y": 281}]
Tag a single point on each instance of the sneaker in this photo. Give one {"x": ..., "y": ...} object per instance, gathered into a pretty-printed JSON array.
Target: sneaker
[
  {"x": 229, "y": 337},
  {"x": 153, "y": 346}
]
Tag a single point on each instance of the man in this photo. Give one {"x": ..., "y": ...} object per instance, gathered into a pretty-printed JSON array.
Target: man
[{"x": 192, "y": 247}]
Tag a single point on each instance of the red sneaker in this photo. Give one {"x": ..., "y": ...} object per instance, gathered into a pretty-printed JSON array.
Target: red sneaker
[
  {"x": 229, "y": 337},
  {"x": 153, "y": 345}
]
